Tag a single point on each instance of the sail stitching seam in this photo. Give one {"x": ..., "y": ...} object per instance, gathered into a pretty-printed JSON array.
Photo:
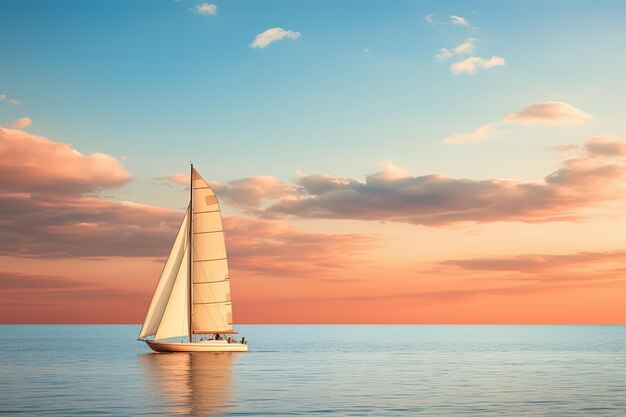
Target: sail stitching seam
[
  {"x": 211, "y": 289},
  {"x": 210, "y": 260}
]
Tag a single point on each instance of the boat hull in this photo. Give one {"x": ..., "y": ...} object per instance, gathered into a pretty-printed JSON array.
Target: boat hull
[{"x": 206, "y": 346}]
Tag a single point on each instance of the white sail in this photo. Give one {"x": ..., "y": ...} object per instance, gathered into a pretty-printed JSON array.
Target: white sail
[
  {"x": 175, "y": 267},
  {"x": 212, "y": 309},
  {"x": 175, "y": 321}
]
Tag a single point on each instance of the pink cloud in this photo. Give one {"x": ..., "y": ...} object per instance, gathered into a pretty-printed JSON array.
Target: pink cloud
[
  {"x": 179, "y": 178},
  {"x": 50, "y": 209},
  {"x": 552, "y": 112},
  {"x": 250, "y": 193},
  {"x": 488, "y": 131},
  {"x": 276, "y": 248},
  {"x": 30, "y": 163},
  {"x": 539, "y": 263},
  {"x": 21, "y": 123},
  {"x": 50, "y": 206},
  {"x": 581, "y": 182},
  {"x": 606, "y": 145}
]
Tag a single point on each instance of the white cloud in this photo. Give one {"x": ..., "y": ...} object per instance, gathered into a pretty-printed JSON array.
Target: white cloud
[
  {"x": 471, "y": 64},
  {"x": 430, "y": 18},
  {"x": 21, "y": 123},
  {"x": 484, "y": 132},
  {"x": 466, "y": 48},
  {"x": 10, "y": 100},
  {"x": 205, "y": 9},
  {"x": 390, "y": 171},
  {"x": 458, "y": 20},
  {"x": 263, "y": 39},
  {"x": 366, "y": 50}
]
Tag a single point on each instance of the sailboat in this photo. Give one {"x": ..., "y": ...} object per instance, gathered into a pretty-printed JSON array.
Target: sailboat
[{"x": 191, "y": 309}]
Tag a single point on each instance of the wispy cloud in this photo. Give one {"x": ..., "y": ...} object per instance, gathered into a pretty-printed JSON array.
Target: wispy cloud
[
  {"x": 606, "y": 145},
  {"x": 4, "y": 97},
  {"x": 22, "y": 123},
  {"x": 276, "y": 248},
  {"x": 252, "y": 192},
  {"x": 263, "y": 39},
  {"x": 488, "y": 131},
  {"x": 465, "y": 48},
  {"x": 548, "y": 113},
  {"x": 472, "y": 64},
  {"x": 564, "y": 149},
  {"x": 458, "y": 20},
  {"x": 540, "y": 263},
  {"x": 431, "y": 19},
  {"x": 178, "y": 178},
  {"x": 205, "y": 9}
]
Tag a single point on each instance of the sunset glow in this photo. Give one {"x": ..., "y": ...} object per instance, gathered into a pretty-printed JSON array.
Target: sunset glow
[{"x": 441, "y": 168}]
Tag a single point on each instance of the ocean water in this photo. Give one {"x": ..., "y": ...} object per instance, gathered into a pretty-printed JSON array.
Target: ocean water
[{"x": 319, "y": 370}]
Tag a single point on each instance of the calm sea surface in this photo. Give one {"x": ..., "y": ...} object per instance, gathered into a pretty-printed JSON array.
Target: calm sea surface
[{"x": 319, "y": 370}]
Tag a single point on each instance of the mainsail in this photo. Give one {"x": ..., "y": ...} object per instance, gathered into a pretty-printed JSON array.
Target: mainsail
[
  {"x": 196, "y": 289},
  {"x": 212, "y": 310}
]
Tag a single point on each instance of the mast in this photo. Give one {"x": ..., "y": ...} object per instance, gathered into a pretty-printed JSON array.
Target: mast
[{"x": 190, "y": 303}]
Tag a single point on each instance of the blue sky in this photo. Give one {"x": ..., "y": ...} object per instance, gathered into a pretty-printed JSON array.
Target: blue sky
[{"x": 163, "y": 85}]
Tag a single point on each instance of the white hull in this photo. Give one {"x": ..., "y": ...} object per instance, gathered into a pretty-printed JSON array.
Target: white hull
[{"x": 205, "y": 346}]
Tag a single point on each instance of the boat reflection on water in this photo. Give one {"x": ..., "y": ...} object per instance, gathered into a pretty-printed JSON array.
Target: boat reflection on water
[{"x": 195, "y": 384}]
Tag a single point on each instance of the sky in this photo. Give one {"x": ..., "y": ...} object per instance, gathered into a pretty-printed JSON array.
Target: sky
[{"x": 403, "y": 162}]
